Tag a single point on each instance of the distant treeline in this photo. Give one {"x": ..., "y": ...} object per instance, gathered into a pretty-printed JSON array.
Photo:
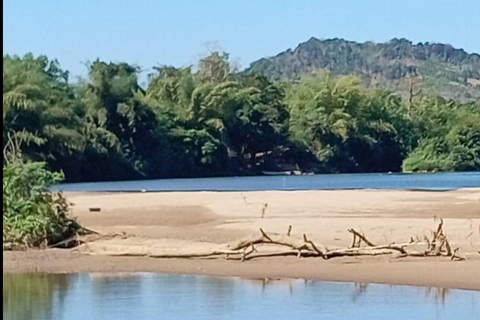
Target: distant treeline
[{"x": 215, "y": 121}]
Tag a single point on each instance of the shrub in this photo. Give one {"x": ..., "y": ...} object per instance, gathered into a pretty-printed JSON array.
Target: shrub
[{"x": 32, "y": 214}]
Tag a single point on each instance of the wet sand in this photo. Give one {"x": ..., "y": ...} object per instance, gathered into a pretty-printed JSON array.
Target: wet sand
[{"x": 176, "y": 221}]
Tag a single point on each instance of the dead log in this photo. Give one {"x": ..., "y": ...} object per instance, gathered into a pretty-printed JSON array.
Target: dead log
[
  {"x": 400, "y": 248},
  {"x": 195, "y": 255},
  {"x": 287, "y": 245}
]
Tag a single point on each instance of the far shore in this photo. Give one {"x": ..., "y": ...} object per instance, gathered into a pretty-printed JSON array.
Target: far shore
[{"x": 189, "y": 220}]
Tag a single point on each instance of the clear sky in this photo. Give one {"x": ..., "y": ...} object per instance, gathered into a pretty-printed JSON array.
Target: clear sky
[{"x": 152, "y": 32}]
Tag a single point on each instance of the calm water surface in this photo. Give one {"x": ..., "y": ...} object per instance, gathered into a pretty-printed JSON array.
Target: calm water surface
[
  {"x": 426, "y": 181},
  {"x": 154, "y": 296}
]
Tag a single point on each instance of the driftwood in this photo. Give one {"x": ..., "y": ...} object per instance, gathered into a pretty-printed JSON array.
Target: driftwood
[
  {"x": 437, "y": 246},
  {"x": 358, "y": 238},
  {"x": 288, "y": 245},
  {"x": 264, "y": 209}
]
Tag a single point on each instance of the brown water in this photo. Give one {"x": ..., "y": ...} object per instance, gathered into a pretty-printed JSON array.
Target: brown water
[{"x": 156, "y": 296}]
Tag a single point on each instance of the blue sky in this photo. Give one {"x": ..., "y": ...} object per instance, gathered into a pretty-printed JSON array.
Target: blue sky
[{"x": 148, "y": 32}]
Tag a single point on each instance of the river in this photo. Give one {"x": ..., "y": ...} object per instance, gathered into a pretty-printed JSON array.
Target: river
[
  {"x": 154, "y": 296},
  {"x": 421, "y": 181}
]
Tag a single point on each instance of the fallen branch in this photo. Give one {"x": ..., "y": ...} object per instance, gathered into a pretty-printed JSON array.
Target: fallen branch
[
  {"x": 194, "y": 255},
  {"x": 288, "y": 245},
  {"x": 455, "y": 256},
  {"x": 361, "y": 237}
]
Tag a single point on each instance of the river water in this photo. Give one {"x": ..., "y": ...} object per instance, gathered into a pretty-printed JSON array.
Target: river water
[
  {"x": 423, "y": 181},
  {"x": 154, "y": 296}
]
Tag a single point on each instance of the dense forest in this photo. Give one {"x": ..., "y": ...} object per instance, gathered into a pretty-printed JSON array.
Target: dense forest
[
  {"x": 397, "y": 65},
  {"x": 212, "y": 120}
]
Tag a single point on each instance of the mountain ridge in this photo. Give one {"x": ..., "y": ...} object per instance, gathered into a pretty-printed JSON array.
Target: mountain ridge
[{"x": 435, "y": 68}]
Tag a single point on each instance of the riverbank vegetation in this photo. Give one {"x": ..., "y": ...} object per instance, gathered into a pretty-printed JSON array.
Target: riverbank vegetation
[
  {"x": 33, "y": 216},
  {"x": 213, "y": 120}
]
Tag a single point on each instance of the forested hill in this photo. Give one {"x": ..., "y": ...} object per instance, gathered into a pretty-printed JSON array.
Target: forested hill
[{"x": 433, "y": 68}]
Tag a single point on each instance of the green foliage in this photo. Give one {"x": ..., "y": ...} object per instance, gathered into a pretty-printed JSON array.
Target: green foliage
[
  {"x": 38, "y": 101},
  {"x": 449, "y": 137},
  {"x": 32, "y": 215},
  {"x": 215, "y": 121},
  {"x": 220, "y": 117},
  {"x": 348, "y": 128}
]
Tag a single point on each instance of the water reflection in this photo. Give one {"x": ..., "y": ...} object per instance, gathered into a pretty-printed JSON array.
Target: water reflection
[
  {"x": 30, "y": 296},
  {"x": 359, "y": 289},
  {"x": 152, "y": 296}
]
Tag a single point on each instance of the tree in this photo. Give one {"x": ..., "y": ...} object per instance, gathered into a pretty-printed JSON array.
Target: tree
[
  {"x": 348, "y": 128},
  {"x": 121, "y": 124},
  {"x": 222, "y": 117},
  {"x": 39, "y": 105},
  {"x": 449, "y": 137}
]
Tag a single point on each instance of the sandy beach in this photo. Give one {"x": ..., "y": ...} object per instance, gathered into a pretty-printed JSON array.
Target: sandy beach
[{"x": 188, "y": 221}]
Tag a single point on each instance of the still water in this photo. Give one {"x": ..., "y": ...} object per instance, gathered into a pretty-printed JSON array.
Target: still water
[
  {"x": 422, "y": 181},
  {"x": 155, "y": 296}
]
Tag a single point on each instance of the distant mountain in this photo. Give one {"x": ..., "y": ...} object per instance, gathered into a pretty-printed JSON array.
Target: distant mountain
[{"x": 433, "y": 68}]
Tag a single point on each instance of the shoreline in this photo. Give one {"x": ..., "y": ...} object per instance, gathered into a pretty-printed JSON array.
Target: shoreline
[
  {"x": 271, "y": 190},
  {"x": 174, "y": 221},
  {"x": 421, "y": 272}
]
